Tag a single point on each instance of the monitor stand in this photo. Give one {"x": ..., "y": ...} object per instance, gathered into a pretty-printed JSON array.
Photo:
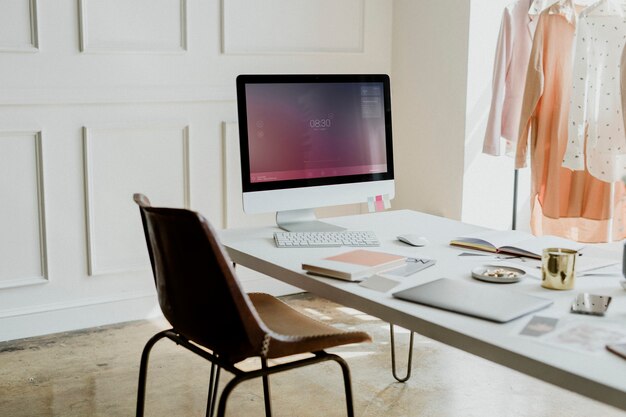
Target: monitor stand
[{"x": 303, "y": 221}]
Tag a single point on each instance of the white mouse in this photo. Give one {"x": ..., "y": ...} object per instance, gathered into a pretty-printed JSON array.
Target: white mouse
[{"x": 413, "y": 240}]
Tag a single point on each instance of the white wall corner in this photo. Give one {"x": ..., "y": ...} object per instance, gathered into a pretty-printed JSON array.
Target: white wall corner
[
  {"x": 492, "y": 208},
  {"x": 429, "y": 84}
]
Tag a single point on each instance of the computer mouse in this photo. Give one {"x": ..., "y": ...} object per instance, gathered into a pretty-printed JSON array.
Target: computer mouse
[{"x": 413, "y": 240}]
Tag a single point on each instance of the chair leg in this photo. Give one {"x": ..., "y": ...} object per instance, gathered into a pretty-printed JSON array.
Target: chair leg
[
  {"x": 143, "y": 371},
  {"x": 221, "y": 408},
  {"x": 347, "y": 383},
  {"x": 213, "y": 384},
  {"x": 393, "y": 356},
  {"x": 266, "y": 389}
]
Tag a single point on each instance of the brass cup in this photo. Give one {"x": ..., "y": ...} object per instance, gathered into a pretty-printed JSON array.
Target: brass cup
[{"x": 558, "y": 268}]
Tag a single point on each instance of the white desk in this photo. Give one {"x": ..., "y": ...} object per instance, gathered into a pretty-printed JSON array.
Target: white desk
[{"x": 601, "y": 376}]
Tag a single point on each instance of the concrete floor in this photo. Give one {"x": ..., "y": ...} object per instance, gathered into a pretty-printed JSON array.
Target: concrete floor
[{"x": 94, "y": 373}]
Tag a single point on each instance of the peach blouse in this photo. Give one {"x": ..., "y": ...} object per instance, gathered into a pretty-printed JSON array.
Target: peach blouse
[{"x": 572, "y": 204}]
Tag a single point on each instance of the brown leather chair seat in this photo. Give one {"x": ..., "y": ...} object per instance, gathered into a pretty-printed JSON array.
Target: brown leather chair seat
[{"x": 293, "y": 332}]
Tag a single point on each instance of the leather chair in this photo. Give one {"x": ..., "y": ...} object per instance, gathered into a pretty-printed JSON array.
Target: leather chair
[{"x": 210, "y": 315}]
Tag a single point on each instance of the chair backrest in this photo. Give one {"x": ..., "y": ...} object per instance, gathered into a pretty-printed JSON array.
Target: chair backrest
[{"x": 196, "y": 285}]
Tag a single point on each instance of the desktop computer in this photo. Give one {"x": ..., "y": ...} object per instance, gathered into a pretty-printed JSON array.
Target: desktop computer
[{"x": 311, "y": 141}]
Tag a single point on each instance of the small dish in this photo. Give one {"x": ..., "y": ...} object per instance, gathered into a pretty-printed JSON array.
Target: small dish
[{"x": 498, "y": 274}]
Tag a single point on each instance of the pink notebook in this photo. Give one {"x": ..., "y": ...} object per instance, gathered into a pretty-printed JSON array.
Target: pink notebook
[{"x": 354, "y": 265}]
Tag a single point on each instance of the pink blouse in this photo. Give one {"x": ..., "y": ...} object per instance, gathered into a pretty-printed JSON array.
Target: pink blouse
[{"x": 509, "y": 74}]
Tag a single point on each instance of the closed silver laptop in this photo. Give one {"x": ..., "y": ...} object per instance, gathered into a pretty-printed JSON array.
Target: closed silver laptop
[{"x": 495, "y": 304}]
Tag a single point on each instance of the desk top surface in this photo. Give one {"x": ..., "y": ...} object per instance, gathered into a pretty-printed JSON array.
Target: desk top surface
[{"x": 599, "y": 375}]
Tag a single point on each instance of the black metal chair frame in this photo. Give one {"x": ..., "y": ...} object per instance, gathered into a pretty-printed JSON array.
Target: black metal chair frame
[{"x": 218, "y": 363}]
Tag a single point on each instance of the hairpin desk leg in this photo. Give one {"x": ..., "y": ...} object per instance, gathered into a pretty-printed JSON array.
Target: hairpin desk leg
[{"x": 393, "y": 356}]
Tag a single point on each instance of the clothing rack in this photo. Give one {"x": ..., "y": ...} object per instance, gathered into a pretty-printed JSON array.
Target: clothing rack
[
  {"x": 514, "y": 219},
  {"x": 609, "y": 233},
  {"x": 517, "y": 10}
]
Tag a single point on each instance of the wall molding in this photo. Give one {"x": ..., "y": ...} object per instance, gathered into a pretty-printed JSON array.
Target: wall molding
[
  {"x": 36, "y": 135},
  {"x": 34, "y": 33},
  {"x": 92, "y": 265},
  {"x": 302, "y": 50},
  {"x": 65, "y": 305},
  {"x": 226, "y": 161},
  {"x": 117, "y": 95},
  {"x": 88, "y": 46},
  {"x": 77, "y": 314},
  {"x": 22, "y": 282}
]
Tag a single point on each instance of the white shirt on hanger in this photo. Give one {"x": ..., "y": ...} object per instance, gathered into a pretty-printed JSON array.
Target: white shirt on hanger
[{"x": 596, "y": 107}]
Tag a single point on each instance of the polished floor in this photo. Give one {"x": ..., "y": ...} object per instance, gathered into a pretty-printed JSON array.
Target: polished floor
[{"x": 94, "y": 373}]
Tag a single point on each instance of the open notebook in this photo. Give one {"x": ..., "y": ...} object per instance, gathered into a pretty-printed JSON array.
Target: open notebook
[
  {"x": 472, "y": 299},
  {"x": 514, "y": 242}
]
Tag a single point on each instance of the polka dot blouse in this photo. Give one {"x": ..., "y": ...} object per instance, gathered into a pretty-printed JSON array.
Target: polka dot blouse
[{"x": 596, "y": 105}]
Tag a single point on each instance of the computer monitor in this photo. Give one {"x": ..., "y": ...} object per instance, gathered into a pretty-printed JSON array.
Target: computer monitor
[{"x": 311, "y": 141}]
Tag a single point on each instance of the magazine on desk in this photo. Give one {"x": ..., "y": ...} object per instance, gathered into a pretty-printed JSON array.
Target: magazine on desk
[
  {"x": 514, "y": 242},
  {"x": 354, "y": 265}
]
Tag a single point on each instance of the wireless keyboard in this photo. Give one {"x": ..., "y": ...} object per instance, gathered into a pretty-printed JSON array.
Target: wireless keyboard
[{"x": 324, "y": 239}]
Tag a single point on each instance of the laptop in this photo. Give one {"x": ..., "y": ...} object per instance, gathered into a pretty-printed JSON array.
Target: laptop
[{"x": 495, "y": 304}]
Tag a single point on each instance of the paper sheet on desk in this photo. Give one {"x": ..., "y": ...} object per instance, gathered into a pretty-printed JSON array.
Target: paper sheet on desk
[
  {"x": 379, "y": 283},
  {"x": 601, "y": 268},
  {"x": 578, "y": 335},
  {"x": 386, "y": 280}
]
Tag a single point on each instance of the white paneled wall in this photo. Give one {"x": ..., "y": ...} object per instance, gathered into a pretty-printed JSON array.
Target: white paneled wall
[
  {"x": 138, "y": 26},
  {"x": 152, "y": 159},
  {"x": 23, "y": 220},
  {"x": 18, "y": 26},
  {"x": 103, "y": 98},
  {"x": 242, "y": 17}
]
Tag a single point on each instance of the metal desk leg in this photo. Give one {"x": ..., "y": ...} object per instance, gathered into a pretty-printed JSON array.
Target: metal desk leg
[{"x": 393, "y": 356}]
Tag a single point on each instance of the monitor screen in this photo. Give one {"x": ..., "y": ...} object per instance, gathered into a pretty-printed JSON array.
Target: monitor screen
[{"x": 307, "y": 131}]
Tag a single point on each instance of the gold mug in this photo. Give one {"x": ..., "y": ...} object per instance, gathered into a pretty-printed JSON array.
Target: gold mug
[{"x": 558, "y": 268}]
